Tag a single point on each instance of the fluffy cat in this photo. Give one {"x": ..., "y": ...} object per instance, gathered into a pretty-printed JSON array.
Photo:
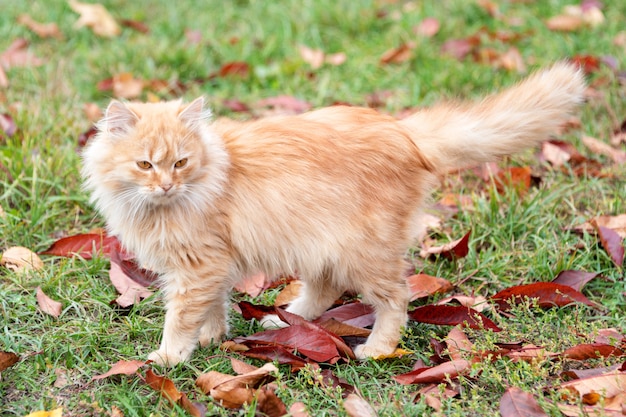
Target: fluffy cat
[{"x": 333, "y": 195}]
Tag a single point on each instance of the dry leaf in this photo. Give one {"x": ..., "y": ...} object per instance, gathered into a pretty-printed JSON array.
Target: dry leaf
[
  {"x": 615, "y": 223},
  {"x": 511, "y": 60},
  {"x": 602, "y": 148},
  {"x": 47, "y": 304},
  {"x": 478, "y": 302},
  {"x": 458, "y": 343},
  {"x": 608, "y": 385},
  {"x": 127, "y": 86},
  {"x": 43, "y": 30},
  {"x": 565, "y": 23},
  {"x": 7, "y": 359},
  {"x": 313, "y": 57},
  {"x": 17, "y": 55},
  {"x": 20, "y": 259},
  {"x": 289, "y": 293},
  {"x": 398, "y": 55},
  {"x": 356, "y": 406},
  {"x": 92, "y": 111},
  {"x": 298, "y": 409},
  {"x": 96, "y": 17},
  {"x": 554, "y": 154},
  {"x": 428, "y": 27},
  {"x": 423, "y": 285},
  {"x": 121, "y": 367}
]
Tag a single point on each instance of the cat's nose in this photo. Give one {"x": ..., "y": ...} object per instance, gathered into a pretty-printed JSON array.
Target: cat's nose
[{"x": 166, "y": 187}]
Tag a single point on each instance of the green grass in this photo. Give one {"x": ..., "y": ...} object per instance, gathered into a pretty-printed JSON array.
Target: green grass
[{"x": 514, "y": 239}]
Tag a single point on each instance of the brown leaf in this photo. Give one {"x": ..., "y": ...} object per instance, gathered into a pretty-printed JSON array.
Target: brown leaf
[
  {"x": 20, "y": 259},
  {"x": 574, "y": 279},
  {"x": 84, "y": 245},
  {"x": 289, "y": 293},
  {"x": 460, "y": 48},
  {"x": 613, "y": 244},
  {"x": 433, "y": 395},
  {"x": 609, "y": 385},
  {"x": 268, "y": 404},
  {"x": 548, "y": 294},
  {"x": 458, "y": 343},
  {"x": 234, "y": 69},
  {"x": 47, "y": 304},
  {"x": 330, "y": 380},
  {"x": 531, "y": 353},
  {"x": 7, "y": 359},
  {"x": 121, "y": 367},
  {"x": 355, "y": 314},
  {"x": 276, "y": 354},
  {"x": 241, "y": 367},
  {"x": 356, "y": 406},
  {"x": 422, "y": 285},
  {"x": 615, "y": 223},
  {"x": 452, "y": 316},
  {"x": 313, "y": 57},
  {"x": 428, "y": 27},
  {"x": 127, "y": 86},
  {"x": 135, "y": 25},
  {"x": 565, "y": 23},
  {"x": 591, "y": 351},
  {"x": 96, "y": 17},
  {"x": 518, "y": 403},
  {"x": 511, "y": 60},
  {"x": 298, "y": 409},
  {"x": 398, "y": 55},
  {"x": 343, "y": 329},
  {"x": 617, "y": 155},
  {"x": 86, "y": 136},
  {"x": 17, "y": 55},
  {"x": 518, "y": 178},
  {"x": 435, "y": 374},
  {"x": 43, "y": 30},
  {"x": 168, "y": 390}
]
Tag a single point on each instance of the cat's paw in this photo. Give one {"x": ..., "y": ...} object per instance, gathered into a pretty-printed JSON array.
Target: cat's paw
[
  {"x": 272, "y": 321},
  {"x": 364, "y": 351},
  {"x": 165, "y": 358}
]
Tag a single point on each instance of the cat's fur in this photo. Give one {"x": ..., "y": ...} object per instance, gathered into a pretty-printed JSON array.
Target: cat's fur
[{"x": 333, "y": 195}]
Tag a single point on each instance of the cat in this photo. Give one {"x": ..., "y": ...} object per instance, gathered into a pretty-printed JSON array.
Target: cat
[{"x": 333, "y": 195}]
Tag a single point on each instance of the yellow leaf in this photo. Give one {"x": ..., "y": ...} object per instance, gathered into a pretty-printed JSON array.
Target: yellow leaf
[
  {"x": 399, "y": 352},
  {"x": 57, "y": 412}
]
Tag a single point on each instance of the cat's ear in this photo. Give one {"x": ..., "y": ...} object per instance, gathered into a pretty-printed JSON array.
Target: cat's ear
[
  {"x": 118, "y": 118},
  {"x": 194, "y": 113}
]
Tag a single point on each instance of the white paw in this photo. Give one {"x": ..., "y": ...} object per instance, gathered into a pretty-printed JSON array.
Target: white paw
[
  {"x": 165, "y": 358},
  {"x": 272, "y": 321},
  {"x": 364, "y": 351}
]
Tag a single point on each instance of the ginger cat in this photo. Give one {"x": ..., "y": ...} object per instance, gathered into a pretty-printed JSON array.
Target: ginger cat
[{"x": 333, "y": 195}]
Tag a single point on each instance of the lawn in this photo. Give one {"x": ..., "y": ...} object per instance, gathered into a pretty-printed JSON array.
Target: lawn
[{"x": 242, "y": 55}]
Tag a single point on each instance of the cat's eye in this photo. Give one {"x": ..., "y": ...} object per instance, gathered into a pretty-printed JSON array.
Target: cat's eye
[
  {"x": 181, "y": 163},
  {"x": 144, "y": 164}
]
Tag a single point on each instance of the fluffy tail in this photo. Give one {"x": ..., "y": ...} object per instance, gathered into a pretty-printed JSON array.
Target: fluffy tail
[{"x": 458, "y": 135}]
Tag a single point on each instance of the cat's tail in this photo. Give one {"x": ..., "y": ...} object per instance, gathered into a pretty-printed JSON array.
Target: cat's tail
[{"x": 457, "y": 135}]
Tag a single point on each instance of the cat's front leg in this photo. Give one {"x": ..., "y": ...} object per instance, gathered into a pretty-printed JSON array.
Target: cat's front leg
[{"x": 188, "y": 310}]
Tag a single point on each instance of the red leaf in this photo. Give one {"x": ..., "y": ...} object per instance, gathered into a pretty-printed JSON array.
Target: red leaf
[
  {"x": 574, "y": 279},
  {"x": 85, "y": 136},
  {"x": 398, "y": 55},
  {"x": 592, "y": 351},
  {"x": 518, "y": 178},
  {"x": 83, "y": 245},
  {"x": 588, "y": 63},
  {"x": 422, "y": 285},
  {"x": 121, "y": 367},
  {"x": 235, "y": 105},
  {"x": 316, "y": 345},
  {"x": 131, "y": 291},
  {"x": 276, "y": 353},
  {"x": 330, "y": 380},
  {"x": 251, "y": 311},
  {"x": 47, "y": 304},
  {"x": 7, "y": 124},
  {"x": 355, "y": 314},
  {"x": 435, "y": 374},
  {"x": 548, "y": 294},
  {"x": 453, "y": 250},
  {"x": 460, "y": 48},
  {"x": 236, "y": 68},
  {"x": 135, "y": 25},
  {"x": 452, "y": 315},
  {"x": 517, "y": 403},
  {"x": 613, "y": 244}
]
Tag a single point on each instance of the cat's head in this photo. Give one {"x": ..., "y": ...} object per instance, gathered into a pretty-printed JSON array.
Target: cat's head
[{"x": 148, "y": 155}]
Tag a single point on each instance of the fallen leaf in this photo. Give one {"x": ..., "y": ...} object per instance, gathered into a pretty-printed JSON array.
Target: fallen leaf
[
  {"x": 423, "y": 285},
  {"x": 289, "y": 293},
  {"x": 518, "y": 403},
  {"x": 57, "y": 412},
  {"x": 397, "y": 353},
  {"x": 613, "y": 244},
  {"x": 313, "y": 57},
  {"x": 460, "y": 48},
  {"x": 7, "y": 124},
  {"x": 20, "y": 259},
  {"x": 435, "y": 374},
  {"x": 234, "y": 69},
  {"x": 478, "y": 302},
  {"x": 356, "y": 406},
  {"x": 285, "y": 104},
  {"x": 125, "y": 85},
  {"x": 43, "y": 30},
  {"x": 548, "y": 294},
  {"x": 17, "y": 55},
  {"x": 336, "y": 59},
  {"x": 397, "y": 55},
  {"x": 511, "y": 60},
  {"x": 453, "y": 250},
  {"x": 328, "y": 379},
  {"x": 47, "y": 304},
  {"x": 588, "y": 63},
  {"x": 96, "y": 17},
  {"x": 608, "y": 385},
  {"x": 615, "y": 223},
  {"x": 84, "y": 245},
  {"x": 433, "y": 395},
  {"x": 121, "y": 367},
  {"x": 131, "y": 291},
  {"x": 452, "y": 316},
  {"x": 574, "y": 279},
  {"x": 253, "y": 285},
  {"x": 7, "y": 359},
  {"x": 276, "y": 354},
  {"x": 428, "y": 27},
  {"x": 268, "y": 404},
  {"x": 298, "y": 409},
  {"x": 92, "y": 111},
  {"x": 135, "y": 25},
  {"x": 591, "y": 351},
  {"x": 565, "y": 23},
  {"x": 87, "y": 135},
  {"x": 355, "y": 314},
  {"x": 518, "y": 178},
  {"x": 343, "y": 329},
  {"x": 617, "y": 155},
  {"x": 251, "y": 311},
  {"x": 531, "y": 353},
  {"x": 168, "y": 390},
  {"x": 458, "y": 343}
]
